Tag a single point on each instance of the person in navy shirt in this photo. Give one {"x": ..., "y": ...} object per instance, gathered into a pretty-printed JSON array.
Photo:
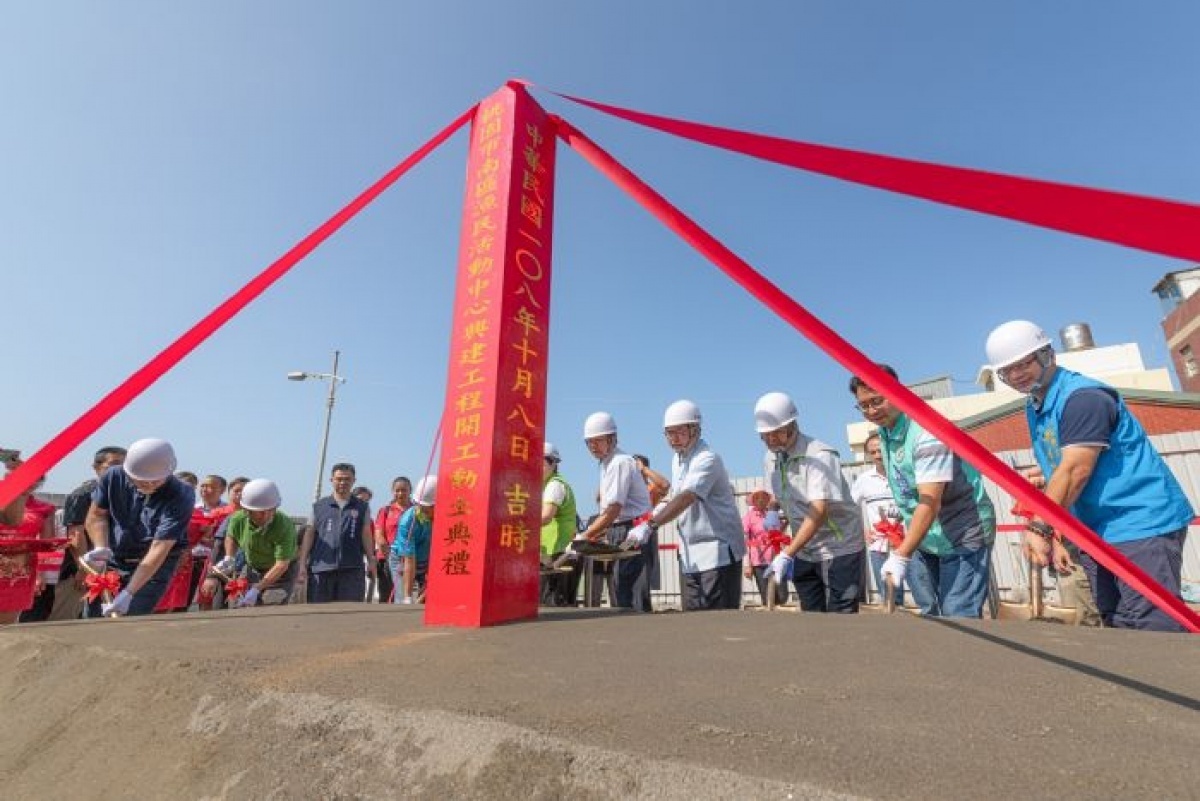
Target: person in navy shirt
[
  {"x": 138, "y": 523},
  {"x": 338, "y": 550},
  {"x": 1099, "y": 464}
]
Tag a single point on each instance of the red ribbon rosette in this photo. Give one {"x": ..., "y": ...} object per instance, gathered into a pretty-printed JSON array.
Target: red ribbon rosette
[
  {"x": 893, "y": 530},
  {"x": 100, "y": 583},
  {"x": 236, "y": 588},
  {"x": 777, "y": 539}
]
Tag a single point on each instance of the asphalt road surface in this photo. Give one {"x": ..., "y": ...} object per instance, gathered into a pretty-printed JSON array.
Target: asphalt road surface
[{"x": 352, "y": 701}]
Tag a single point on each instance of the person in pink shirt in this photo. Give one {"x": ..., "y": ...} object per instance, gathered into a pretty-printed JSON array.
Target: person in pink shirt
[
  {"x": 759, "y": 524},
  {"x": 386, "y": 521}
]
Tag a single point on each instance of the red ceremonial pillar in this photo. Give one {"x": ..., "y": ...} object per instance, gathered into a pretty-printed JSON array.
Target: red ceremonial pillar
[{"x": 483, "y": 566}]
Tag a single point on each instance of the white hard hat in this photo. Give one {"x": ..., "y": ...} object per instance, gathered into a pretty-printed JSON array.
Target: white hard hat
[
  {"x": 426, "y": 492},
  {"x": 681, "y": 412},
  {"x": 150, "y": 460},
  {"x": 599, "y": 424},
  {"x": 773, "y": 411},
  {"x": 550, "y": 452},
  {"x": 1013, "y": 341},
  {"x": 261, "y": 495}
]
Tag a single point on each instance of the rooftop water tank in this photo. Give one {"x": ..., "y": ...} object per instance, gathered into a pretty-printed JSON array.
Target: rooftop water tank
[{"x": 1076, "y": 336}]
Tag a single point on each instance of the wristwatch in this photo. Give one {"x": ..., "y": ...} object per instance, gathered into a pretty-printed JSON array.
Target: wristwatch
[{"x": 1040, "y": 528}]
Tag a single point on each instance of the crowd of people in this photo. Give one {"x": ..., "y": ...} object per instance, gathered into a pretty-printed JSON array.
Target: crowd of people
[{"x": 142, "y": 537}]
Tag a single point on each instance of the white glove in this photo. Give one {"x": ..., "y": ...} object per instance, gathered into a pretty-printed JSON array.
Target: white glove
[
  {"x": 250, "y": 598},
  {"x": 97, "y": 558},
  {"x": 636, "y": 537},
  {"x": 895, "y": 566},
  {"x": 781, "y": 566},
  {"x": 226, "y": 565},
  {"x": 119, "y": 606},
  {"x": 201, "y": 551}
]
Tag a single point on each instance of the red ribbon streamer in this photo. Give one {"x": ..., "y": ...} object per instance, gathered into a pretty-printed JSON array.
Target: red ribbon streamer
[
  {"x": 858, "y": 364},
  {"x": 1169, "y": 227},
  {"x": 70, "y": 437},
  {"x": 777, "y": 539},
  {"x": 100, "y": 583}
]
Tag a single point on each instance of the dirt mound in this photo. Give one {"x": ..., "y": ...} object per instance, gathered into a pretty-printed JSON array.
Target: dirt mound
[{"x": 124, "y": 724}]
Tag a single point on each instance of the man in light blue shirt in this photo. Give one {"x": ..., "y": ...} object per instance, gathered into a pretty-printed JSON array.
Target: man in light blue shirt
[{"x": 701, "y": 499}]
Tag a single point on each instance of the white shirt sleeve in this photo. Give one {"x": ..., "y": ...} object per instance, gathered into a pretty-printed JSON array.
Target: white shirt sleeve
[
  {"x": 618, "y": 478},
  {"x": 858, "y": 490},
  {"x": 555, "y": 492},
  {"x": 933, "y": 462},
  {"x": 701, "y": 476},
  {"x": 823, "y": 477}
]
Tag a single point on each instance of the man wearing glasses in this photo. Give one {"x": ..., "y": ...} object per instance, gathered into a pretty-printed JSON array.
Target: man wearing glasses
[
  {"x": 1099, "y": 464},
  {"x": 701, "y": 497},
  {"x": 338, "y": 550},
  {"x": 623, "y": 499},
  {"x": 949, "y": 520},
  {"x": 825, "y": 557}
]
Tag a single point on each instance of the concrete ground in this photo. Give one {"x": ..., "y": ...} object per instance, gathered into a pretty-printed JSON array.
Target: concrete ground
[{"x": 353, "y": 701}]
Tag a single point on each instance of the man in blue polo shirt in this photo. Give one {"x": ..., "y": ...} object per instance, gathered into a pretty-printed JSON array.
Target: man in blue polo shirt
[
  {"x": 138, "y": 524},
  {"x": 338, "y": 551},
  {"x": 1099, "y": 464}
]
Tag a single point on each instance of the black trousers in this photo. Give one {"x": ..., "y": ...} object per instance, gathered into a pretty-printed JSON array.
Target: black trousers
[
  {"x": 720, "y": 588},
  {"x": 561, "y": 589},
  {"x": 831, "y": 585},
  {"x": 383, "y": 578},
  {"x": 782, "y": 593}
]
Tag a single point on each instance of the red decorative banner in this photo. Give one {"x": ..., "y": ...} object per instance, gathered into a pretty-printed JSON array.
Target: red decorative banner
[
  {"x": 484, "y": 562},
  {"x": 858, "y": 364},
  {"x": 1169, "y": 227},
  {"x": 40, "y": 463}
]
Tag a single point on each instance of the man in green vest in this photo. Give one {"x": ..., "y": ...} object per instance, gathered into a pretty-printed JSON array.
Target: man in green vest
[{"x": 558, "y": 529}]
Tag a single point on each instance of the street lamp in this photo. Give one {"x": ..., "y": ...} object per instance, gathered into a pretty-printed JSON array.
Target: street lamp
[{"x": 334, "y": 379}]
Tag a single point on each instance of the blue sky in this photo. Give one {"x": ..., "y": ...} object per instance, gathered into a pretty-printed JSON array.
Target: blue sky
[{"x": 158, "y": 155}]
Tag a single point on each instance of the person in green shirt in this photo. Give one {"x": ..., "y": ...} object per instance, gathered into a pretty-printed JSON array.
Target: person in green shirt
[
  {"x": 559, "y": 524},
  {"x": 268, "y": 541}
]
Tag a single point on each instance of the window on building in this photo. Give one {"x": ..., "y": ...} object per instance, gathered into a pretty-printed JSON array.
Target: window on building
[{"x": 1190, "y": 368}]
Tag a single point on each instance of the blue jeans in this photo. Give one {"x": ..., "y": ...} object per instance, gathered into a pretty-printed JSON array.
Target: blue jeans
[
  {"x": 951, "y": 585},
  {"x": 877, "y": 560},
  {"x": 396, "y": 568}
]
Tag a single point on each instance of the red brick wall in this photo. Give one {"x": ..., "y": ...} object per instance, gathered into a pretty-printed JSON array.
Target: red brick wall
[
  {"x": 1011, "y": 433},
  {"x": 1175, "y": 322}
]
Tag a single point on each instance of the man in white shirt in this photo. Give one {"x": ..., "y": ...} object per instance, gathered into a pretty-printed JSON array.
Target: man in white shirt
[
  {"x": 825, "y": 556},
  {"x": 873, "y": 494},
  {"x": 623, "y": 499},
  {"x": 701, "y": 498}
]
